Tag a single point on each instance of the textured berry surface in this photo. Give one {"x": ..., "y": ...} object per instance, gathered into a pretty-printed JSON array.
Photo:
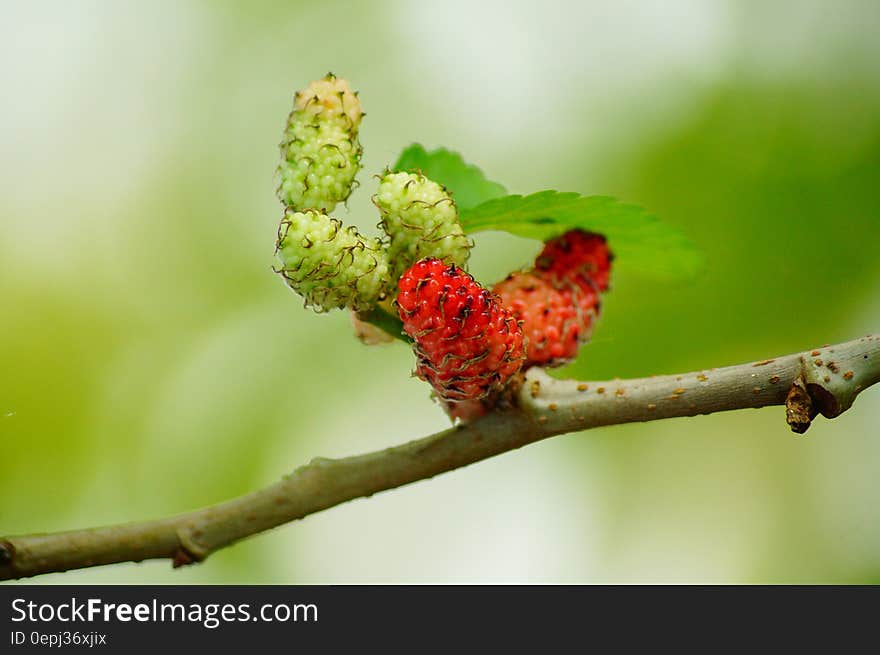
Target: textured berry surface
[
  {"x": 467, "y": 345},
  {"x": 320, "y": 154},
  {"x": 554, "y": 317},
  {"x": 329, "y": 265},
  {"x": 330, "y": 97},
  {"x": 578, "y": 256},
  {"x": 421, "y": 221}
]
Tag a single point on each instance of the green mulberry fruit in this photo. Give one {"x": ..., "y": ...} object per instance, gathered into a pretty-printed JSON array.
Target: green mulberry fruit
[
  {"x": 321, "y": 154},
  {"x": 421, "y": 220},
  {"x": 329, "y": 265}
]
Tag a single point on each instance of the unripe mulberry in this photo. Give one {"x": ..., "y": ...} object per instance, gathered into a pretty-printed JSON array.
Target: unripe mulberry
[
  {"x": 467, "y": 345},
  {"x": 554, "y": 316},
  {"x": 330, "y": 265},
  {"x": 330, "y": 97},
  {"x": 421, "y": 220},
  {"x": 320, "y": 153},
  {"x": 578, "y": 256}
]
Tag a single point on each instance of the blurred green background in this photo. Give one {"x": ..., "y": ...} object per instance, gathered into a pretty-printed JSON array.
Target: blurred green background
[{"x": 151, "y": 363}]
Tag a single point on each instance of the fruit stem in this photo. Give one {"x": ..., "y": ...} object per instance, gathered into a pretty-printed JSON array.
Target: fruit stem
[{"x": 385, "y": 322}]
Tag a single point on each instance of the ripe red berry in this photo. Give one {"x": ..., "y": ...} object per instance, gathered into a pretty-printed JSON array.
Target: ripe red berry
[
  {"x": 578, "y": 256},
  {"x": 555, "y": 316},
  {"x": 467, "y": 345}
]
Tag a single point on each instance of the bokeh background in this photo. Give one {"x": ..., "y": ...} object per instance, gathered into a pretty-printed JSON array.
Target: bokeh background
[{"x": 151, "y": 363}]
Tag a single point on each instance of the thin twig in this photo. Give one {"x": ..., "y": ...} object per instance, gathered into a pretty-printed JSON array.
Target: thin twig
[{"x": 831, "y": 376}]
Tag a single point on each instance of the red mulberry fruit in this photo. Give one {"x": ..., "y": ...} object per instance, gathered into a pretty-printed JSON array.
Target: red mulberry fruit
[
  {"x": 578, "y": 256},
  {"x": 555, "y": 315},
  {"x": 467, "y": 345}
]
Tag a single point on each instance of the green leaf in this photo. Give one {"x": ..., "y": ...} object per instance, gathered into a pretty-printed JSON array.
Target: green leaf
[
  {"x": 638, "y": 238},
  {"x": 467, "y": 184}
]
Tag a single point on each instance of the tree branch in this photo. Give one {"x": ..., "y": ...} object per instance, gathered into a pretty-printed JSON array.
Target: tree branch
[{"x": 825, "y": 380}]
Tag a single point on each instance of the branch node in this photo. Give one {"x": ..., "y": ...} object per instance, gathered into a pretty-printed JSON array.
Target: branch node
[
  {"x": 824, "y": 401},
  {"x": 799, "y": 410},
  {"x": 7, "y": 552},
  {"x": 181, "y": 558},
  {"x": 188, "y": 551}
]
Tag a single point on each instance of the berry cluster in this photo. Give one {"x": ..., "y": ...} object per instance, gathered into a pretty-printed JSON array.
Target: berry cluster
[
  {"x": 332, "y": 266},
  {"x": 469, "y": 341}
]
